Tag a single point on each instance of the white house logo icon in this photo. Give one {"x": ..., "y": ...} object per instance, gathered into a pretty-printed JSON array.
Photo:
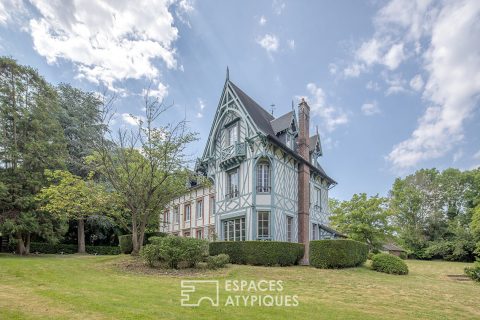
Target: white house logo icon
[{"x": 195, "y": 291}]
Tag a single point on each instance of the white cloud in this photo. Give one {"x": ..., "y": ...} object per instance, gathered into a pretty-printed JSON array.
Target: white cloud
[
  {"x": 417, "y": 83},
  {"x": 269, "y": 42},
  {"x": 353, "y": 70},
  {"x": 332, "y": 68},
  {"x": 369, "y": 52},
  {"x": 371, "y": 108},
  {"x": 278, "y": 6},
  {"x": 331, "y": 116},
  {"x": 452, "y": 89},
  {"x": 201, "y": 104},
  {"x": 262, "y": 21},
  {"x": 372, "y": 85},
  {"x": 108, "y": 41},
  {"x": 131, "y": 119},
  {"x": 394, "y": 56},
  {"x": 9, "y": 9},
  {"x": 159, "y": 92},
  {"x": 291, "y": 44},
  {"x": 395, "y": 84}
]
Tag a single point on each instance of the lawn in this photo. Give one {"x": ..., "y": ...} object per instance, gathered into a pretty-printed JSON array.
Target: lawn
[{"x": 95, "y": 287}]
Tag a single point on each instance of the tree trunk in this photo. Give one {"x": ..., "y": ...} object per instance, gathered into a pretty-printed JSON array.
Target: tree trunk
[
  {"x": 27, "y": 244},
  {"x": 81, "y": 236},
  {"x": 135, "y": 243},
  {"x": 20, "y": 244}
]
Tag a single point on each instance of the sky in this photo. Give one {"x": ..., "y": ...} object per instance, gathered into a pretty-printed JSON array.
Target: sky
[{"x": 393, "y": 86}]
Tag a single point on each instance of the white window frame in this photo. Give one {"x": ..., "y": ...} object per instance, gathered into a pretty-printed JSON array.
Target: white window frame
[
  {"x": 176, "y": 213},
  {"x": 289, "y": 229},
  {"x": 234, "y": 229},
  {"x": 232, "y": 138},
  {"x": 264, "y": 177},
  {"x": 263, "y": 224},
  {"x": 199, "y": 208},
  {"x": 188, "y": 216},
  {"x": 233, "y": 190}
]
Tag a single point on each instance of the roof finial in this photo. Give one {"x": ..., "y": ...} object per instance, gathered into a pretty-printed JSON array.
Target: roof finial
[
  {"x": 272, "y": 106},
  {"x": 228, "y": 74},
  {"x": 293, "y": 108}
]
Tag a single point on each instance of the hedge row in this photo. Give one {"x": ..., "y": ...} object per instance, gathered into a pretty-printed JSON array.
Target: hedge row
[
  {"x": 337, "y": 253},
  {"x": 259, "y": 253},
  {"x": 71, "y": 248},
  {"x": 125, "y": 241}
]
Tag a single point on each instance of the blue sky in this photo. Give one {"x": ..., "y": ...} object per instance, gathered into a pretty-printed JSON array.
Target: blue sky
[{"x": 394, "y": 86}]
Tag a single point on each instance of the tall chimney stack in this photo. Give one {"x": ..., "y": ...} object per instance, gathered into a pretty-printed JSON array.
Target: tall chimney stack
[{"x": 304, "y": 178}]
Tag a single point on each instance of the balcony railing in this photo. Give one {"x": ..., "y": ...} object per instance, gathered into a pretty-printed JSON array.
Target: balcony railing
[
  {"x": 262, "y": 189},
  {"x": 233, "y": 154}
]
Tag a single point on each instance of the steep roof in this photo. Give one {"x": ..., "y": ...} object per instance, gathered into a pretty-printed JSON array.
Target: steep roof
[
  {"x": 265, "y": 122},
  {"x": 259, "y": 115},
  {"x": 283, "y": 122}
]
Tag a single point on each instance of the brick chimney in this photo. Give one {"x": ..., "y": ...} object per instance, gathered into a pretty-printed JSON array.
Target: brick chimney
[{"x": 304, "y": 178}]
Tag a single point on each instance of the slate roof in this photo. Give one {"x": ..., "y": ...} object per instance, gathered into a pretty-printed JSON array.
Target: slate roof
[
  {"x": 265, "y": 122},
  {"x": 392, "y": 247},
  {"x": 282, "y": 123},
  {"x": 333, "y": 231}
]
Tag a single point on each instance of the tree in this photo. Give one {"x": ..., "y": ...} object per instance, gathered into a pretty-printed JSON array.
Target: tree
[
  {"x": 71, "y": 197},
  {"x": 363, "y": 219},
  {"x": 433, "y": 212},
  {"x": 145, "y": 166},
  {"x": 31, "y": 140},
  {"x": 81, "y": 120}
]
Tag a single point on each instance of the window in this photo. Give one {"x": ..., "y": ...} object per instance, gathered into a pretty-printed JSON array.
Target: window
[
  {"x": 199, "y": 234},
  {"x": 211, "y": 207},
  {"x": 186, "y": 233},
  {"x": 176, "y": 214},
  {"x": 263, "y": 225},
  {"x": 232, "y": 183},
  {"x": 188, "y": 212},
  {"x": 318, "y": 197},
  {"x": 232, "y": 134},
  {"x": 289, "y": 229},
  {"x": 199, "y": 209},
  {"x": 234, "y": 230},
  {"x": 314, "y": 232},
  {"x": 263, "y": 177},
  {"x": 289, "y": 139}
]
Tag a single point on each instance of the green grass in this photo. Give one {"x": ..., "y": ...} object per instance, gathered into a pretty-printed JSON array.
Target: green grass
[{"x": 94, "y": 287}]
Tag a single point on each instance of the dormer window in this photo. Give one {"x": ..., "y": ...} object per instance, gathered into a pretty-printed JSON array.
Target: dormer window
[{"x": 289, "y": 140}]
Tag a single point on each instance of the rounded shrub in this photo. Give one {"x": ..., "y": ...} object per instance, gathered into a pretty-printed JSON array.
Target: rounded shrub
[
  {"x": 218, "y": 261},
  {"x": 474, "y": 271},
  {"x": 388, "y": 263},
  {"x": 174, "y": 252},
  {"x": 259, "y": 253},
  {"x": 337, "y": 253}
]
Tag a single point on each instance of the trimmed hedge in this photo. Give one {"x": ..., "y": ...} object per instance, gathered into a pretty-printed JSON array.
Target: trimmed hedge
[
  {"x": 388, "y": 263},
  {"x": 71, "y": 248},
  {"x": 259, "y": 253},
  {"x": 337, "y": 253},
  {"x": 126, "y": 244}
]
